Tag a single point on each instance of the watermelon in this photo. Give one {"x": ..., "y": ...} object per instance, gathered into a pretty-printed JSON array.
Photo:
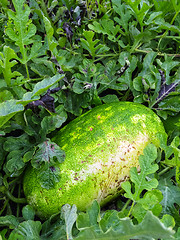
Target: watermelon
[{"x": 100, "y": 146}]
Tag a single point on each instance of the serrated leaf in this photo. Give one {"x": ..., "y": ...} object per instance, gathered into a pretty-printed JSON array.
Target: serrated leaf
[
  {"x": 16, "y": 148},
  {"x": 139, "y": 179},
  {"x": 123, "y": 228},
  {"x": 8, "y": 109},
  {"x": 22, "y": 30},
  {"x": 139, "y": 8},
  {"x": 126, "y": 78},
  {"x": 168, "y": 190},
  {"x": 90, "y": 218},
  {"x": 29, "y": 230},
  {"x": 160, "y": 22},
  {"x": 150, "y": 202},
  {"x": 124, "y": 14},
  {"x": 91, "y": 45},
  {"x": 47, "y": 153},
  {"x": 167, "y": 66},
  {"x": 69, "y": 214},
  {"x": 172, "y": 125},
  {"x": 43, "y": 67},
  {"x": 6, "y": 64},
  {"x": 14, "y": 164},
  {"x": 106, "y": 26}
]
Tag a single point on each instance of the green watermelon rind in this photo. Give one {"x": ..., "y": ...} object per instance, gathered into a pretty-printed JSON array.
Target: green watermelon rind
[{"x": 101, "y": 146}]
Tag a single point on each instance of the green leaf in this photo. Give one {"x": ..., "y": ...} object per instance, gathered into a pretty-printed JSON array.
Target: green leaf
[
  {"x": 90, "y": 218},
  {"x": 92, "y": 46},
  {"x": 45, "y": 158},
  {"x": 176, "y": 6},
  {"x": 43, "y": 67},
  {"x": 9, "y": 220},
  {"x": 15, "y": 235},
  {"x": 8, "y": 109},
  {"x": 5, "y": 95},
  {"x": 45, "y": 84},
  {"x": 150, "y": 201},
  {"x": 172, "y": 125},
  {"x": 167, "y": 66},
  {"x": 106, "y": 27},
  {"x": 168, "y": 221},
  {"x": 48, "y": 175},
  {"x": 30, "y": 230},
  {"x": 50, "y": 123},
  {"x": 69, "y": 214},
  {"x": 110, "y": 98},
  {"x": 28, "y": 212},
  {"x": 171, "y": 195},
  {"x": 139, "y": 8},
  {"x": 54, "y": 228},
  {"x": 15, "y": 164},
  {"x": 74, "y": 103},
  {"x": 50, "y": 31},
  {"x": 160, "y": 22},
  {"x": 124, "y": 14},
  {"x": 16, "y": 148},
  {"x": 22, "y": 30},
  {"x": 140, "y": 179},
  {"x": 177, "y": 235},
  {"x": 6, "y": 64},
  {"x": 125, "y": 59},
  {"x": 171, "y": 102},
  {"x": 47, "y": 152},
  {"x": 113, "y": 227}
]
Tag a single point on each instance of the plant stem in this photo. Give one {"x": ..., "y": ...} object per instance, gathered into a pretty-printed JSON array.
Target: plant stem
[
  {"x": 4, "y": 206},
  {"x": 27, "y": 71},
  {"x": 159, "y": 36},
  {"x": 159, "y": 54},
  {"x": 164, "y": 171},
  {"x": 14, "y": 199},
  {"x": 126, "y": 204},
  {"x": 129, "y": 213},
  {"x": 18, "y": 205}
]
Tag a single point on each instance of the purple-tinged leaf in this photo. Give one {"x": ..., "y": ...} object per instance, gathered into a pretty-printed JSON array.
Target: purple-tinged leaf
[
  {"x": 166, "y": 90},
  {"x": 48, "y": 153}
]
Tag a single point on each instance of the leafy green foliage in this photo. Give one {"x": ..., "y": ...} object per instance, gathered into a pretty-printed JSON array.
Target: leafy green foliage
[
  {"x": 140, "y": 9},
  {"x": 106, "y": 27},
  {"x": 22, "y": 31},
  {"x": 91, "y": 46},
  {"x": 140, "y": 179},
  {"x": 8, "y": 109},
  {"x": 90, "y": 52},
  {"x": 6, "y": 65},
  {"x": 45, "y": 157},
  {"x": 150, "y": 202},
  {"x": 69, "y": 214},
  {"x": 111, "y": 226}
]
